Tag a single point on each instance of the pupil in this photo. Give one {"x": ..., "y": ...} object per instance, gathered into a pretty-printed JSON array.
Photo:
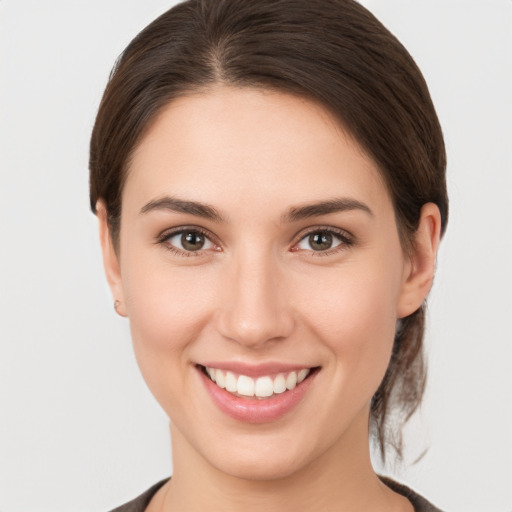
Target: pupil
[
  {"x": 320, "y": 241},
  {"x": 192, "y": 241}
]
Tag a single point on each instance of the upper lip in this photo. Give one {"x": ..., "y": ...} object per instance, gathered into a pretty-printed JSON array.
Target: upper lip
[{"x": 255, "y": 370}]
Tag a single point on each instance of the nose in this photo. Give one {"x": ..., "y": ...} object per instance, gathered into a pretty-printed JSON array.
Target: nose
[{"x": 255, "y": 309}]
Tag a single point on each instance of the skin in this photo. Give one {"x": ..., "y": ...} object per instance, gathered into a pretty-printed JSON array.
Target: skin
[{"x": 259, "y": 292}]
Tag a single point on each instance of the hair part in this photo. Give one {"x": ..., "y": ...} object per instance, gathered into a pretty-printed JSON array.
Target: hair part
[{"x": 333, "y": 52}]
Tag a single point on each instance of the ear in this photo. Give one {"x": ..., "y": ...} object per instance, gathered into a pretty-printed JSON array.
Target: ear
[
  {"x": 110, "y": 260},
  {"x": 420, "y": 267}
]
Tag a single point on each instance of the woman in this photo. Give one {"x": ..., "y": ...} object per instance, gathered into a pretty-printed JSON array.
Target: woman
[{"x": 269, "y": 179}]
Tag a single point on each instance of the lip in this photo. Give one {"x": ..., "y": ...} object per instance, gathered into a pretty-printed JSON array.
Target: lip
[{"x": 252, "y": 410}]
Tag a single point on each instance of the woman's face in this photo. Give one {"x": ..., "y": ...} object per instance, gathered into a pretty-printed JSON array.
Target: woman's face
[{"x": 258, "y": 239}]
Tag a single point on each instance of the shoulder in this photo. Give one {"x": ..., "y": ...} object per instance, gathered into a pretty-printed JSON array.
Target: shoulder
[
  {"x": 141, "y": 502},
  {"x": 419, "y": 503}
]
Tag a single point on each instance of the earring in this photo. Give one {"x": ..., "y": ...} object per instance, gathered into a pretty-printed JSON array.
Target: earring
[{"x": 117, "y": 303}]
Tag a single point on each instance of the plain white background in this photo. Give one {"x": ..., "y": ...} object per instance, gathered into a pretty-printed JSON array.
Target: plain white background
[{"x": 79, "y": 431}]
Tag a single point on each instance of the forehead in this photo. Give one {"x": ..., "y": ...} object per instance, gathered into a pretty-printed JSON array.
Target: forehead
[{"x": 252, "y": 145}]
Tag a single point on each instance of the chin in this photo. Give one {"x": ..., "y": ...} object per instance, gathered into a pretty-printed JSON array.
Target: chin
[
  {"x": 260, "y": 457},
  {"x": 260, "y": 467}
]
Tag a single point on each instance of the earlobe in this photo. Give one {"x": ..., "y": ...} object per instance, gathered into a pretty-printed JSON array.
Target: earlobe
[
  {"x": 419, "y": 273},
  {"x": 110, "y": 260}
]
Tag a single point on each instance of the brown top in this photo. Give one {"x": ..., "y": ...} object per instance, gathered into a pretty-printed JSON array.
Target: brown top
[{"x": 419, "y": 503}]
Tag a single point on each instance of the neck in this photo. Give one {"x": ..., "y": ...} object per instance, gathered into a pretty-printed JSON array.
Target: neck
[{"x": 340, "y": 479}]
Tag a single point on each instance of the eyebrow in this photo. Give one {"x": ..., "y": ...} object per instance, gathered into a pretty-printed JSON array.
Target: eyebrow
[
  {"x": 336, "y": 205},
  {"x": 294, "y": 214},
  {"x": 183, "y": 206}
]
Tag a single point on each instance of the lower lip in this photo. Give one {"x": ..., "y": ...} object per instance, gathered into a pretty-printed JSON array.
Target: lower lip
[{"x": 253, "y": 410}]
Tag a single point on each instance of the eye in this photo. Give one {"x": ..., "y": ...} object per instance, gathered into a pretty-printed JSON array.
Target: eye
[
  {"x": 187, "y": 241},
  {"x": 322, "y": 241}
]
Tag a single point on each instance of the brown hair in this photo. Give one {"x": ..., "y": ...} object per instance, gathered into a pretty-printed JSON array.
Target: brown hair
[{"x": 332, "y": 51}]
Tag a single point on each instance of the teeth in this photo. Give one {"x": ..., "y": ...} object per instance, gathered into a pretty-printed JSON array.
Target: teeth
[
  {"x": 262, "y": 387},
  {"x": 231, "y": 382},
  {"x": 245, "y": 386},
  {"x": 302, "y": 375},
  {"x": 291, "y": 380},
  {"x": 220, "y": 378},
  {"x": 279, "y": 384}
]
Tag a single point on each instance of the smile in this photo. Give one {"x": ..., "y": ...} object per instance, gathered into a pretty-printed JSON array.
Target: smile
[
  {"x": 269, "y": 393},
  {"x": 261, "y": 387}
]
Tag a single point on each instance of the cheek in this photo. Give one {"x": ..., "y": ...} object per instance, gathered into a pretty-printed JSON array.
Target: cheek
[
  {"x": 168, "y": 309},
  {"x": 164, "y": 301},
  {"x": 357, "y": 322}
]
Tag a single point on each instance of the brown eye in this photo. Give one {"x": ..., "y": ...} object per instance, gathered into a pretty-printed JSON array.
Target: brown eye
[
  {"x": 188, "y": 241},
  {"x": 321, "y": 241},
  {"x": 192, "y": 241}
]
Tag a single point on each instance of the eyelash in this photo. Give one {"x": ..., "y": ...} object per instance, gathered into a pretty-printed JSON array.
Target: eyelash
[
  {"x": 346, "y": 240},
  {"x": 164, "y": 238}
]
